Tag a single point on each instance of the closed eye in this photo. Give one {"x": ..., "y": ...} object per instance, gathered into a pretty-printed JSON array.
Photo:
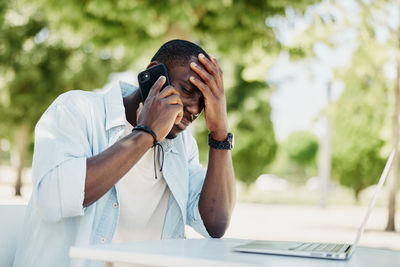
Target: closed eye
[{"x": 187, "y": 91}]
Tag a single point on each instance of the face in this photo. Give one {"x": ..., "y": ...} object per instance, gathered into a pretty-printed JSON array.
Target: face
[{"x": 191, "y": 97}]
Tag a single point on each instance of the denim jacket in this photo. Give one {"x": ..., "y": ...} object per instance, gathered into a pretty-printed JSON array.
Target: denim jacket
[{"x": 76, "y": 126}]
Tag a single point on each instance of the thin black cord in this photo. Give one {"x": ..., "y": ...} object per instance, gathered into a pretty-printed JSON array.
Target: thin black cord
[
  {"x": 156, "y": 145},
  {"x": 155, "y": 158}
]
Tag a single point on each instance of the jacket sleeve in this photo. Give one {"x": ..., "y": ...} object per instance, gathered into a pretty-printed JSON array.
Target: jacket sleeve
[
  {"x": 59, "y": 161},
  {"x": 196, "y": 180}
]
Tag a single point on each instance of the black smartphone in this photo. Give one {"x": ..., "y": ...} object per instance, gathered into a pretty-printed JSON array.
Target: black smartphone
[{"x": 147, "y": 79}]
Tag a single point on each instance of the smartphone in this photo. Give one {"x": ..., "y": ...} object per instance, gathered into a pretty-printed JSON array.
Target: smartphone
[{"x": 147, "y": 79}]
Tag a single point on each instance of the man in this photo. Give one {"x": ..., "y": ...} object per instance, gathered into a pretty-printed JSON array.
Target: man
[{"x": 93, "y": 165}]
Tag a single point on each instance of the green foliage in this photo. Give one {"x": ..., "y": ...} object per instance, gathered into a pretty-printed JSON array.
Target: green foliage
[
  {"x": 358, "y": 120},
  {"x": 131, "y": 31},
  {"x": 35, "y": 69},
  {"x": 357, "y": 162},
  {"x": 255, "y": 144},
  {"x": 249, "y": 112},
  {"x": 302, "y": 147},
  {"x": 230, "y": 26},
  {"x": 296, "y": 157}
]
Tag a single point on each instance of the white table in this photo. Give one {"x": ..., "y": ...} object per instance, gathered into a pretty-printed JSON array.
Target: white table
[{"x": 217, "y": 252}]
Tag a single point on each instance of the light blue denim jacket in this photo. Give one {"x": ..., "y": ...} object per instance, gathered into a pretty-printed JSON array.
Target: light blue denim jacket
[{"x": 76, "y": 126}]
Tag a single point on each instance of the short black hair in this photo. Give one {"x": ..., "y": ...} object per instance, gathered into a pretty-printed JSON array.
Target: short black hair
[{"x": 177, "y": 52}]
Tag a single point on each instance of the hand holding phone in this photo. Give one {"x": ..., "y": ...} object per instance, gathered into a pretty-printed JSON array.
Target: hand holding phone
[
  {"x": 147, "y": 79},
  {"x": 161, "y": 108}
]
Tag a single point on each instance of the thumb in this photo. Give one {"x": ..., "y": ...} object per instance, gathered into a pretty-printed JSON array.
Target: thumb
[
  {"x": 179, "y": 117},
  {"x": 139, "y": 110}
]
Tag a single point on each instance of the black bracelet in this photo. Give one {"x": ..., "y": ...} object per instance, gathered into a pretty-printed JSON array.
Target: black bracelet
[
  {"x": 147, "y": 130},
  {"x": 155, "y": 144}
]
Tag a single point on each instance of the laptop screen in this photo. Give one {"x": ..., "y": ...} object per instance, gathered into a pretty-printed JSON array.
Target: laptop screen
[{"x": 373, "y": 200}]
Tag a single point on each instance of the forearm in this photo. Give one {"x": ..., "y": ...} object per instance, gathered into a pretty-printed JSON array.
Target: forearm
[
  {"x": 218, "y": 195},
  {"x": 105, "y": 169}
]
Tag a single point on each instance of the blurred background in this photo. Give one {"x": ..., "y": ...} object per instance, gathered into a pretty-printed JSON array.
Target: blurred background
[{"x": 312, "y": 90}]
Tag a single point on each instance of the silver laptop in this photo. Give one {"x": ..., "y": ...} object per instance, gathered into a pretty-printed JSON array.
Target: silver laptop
[{"x": 316, "y": 250}]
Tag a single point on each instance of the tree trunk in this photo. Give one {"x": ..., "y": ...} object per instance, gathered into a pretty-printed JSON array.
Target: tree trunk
[
  {"x": 1, "y": 154},
  {"x": 325, "y": 157},
  {"x": 392, "y": 183},
  {"x": 22, "y": 138}
]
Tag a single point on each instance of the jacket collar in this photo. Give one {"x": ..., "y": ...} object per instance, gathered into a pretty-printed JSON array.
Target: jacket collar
[{"x": 114, "y": 106}]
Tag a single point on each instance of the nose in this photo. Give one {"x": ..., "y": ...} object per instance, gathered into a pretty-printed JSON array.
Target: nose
[{"x": 193, "y": 105}]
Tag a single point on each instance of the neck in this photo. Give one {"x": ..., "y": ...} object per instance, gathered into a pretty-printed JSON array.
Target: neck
[{"x": 131, "y": 104}]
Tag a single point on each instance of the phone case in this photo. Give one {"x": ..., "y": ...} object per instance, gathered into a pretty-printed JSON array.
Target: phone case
[{"x": 147, "y": 78}]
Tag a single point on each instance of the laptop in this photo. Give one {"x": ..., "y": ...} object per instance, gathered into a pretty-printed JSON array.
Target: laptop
[{"x": 316, "y": 250}]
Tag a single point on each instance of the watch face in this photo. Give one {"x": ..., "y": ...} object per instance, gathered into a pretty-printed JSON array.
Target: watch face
[{"x": 231, "y": 140}]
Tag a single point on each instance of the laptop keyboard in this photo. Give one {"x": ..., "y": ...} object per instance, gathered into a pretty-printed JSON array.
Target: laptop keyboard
[{"x": 319, "y": 247}]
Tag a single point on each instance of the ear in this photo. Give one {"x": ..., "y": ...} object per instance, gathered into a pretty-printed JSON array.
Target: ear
[{"x": 152, "y": 64}]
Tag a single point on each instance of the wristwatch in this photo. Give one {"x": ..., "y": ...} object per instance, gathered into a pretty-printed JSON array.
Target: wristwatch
[{"x": 228, "y": 144}]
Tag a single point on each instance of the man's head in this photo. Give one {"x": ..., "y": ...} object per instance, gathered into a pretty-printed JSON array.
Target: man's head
[
  {"x": 177, "y": 53},
  {"x": 177, "y": 56}
]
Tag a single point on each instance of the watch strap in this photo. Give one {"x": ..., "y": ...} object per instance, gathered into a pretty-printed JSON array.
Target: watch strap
[{"x": 223, "y": 145}]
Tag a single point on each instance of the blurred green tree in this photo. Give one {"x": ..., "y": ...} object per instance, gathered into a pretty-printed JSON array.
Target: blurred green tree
[
  {"x": 133, "y": 30},
  {"x": 382, "y": 90},
  {"x": 255, "y": 144},
  {"x": 359, "y": 115},
  {"x": 236, "y": 30},
  {"x": 357, "y": 120},
  {"x": 365, "y": 119},
  {"x": 302, "y": 147},
  {"x": 35, "y": 70},
  {"x": 367, "y": 80},
  {"x": 296, "y": 157}
]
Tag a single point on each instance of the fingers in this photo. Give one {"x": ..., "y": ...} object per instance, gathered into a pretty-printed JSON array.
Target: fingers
[
  {"x": 156, "y": 88},
  {"x": 211, "y": 64},
  {"x": 204, "y": 75},
  {"x": 175, "y": 103},
  {"x": 172, "y": 100},
  {"x": 204, "y": 89},
  {"x": 170, "y": 97},
  {"x": 210, "y": 72},
  {"x": 139, "y": 110},
  {"x": 179, "y": 117},
  {"x": 213, "y": 67},
  {"x": 215, "y": 62},
  {"x": 169, "y": 90}
]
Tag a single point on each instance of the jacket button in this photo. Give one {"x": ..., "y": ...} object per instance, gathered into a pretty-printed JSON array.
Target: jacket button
[
  {"x": 102, "y": 240},
  {"x": 115, "y": 205}
]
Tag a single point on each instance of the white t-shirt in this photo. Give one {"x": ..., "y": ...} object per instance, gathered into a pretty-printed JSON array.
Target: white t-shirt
[{"x": 143, "y": 200}]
